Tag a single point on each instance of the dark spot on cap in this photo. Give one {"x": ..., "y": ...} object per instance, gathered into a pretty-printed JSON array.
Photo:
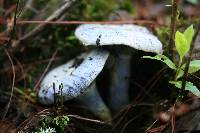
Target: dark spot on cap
[
  {"x": 77, "y": 62},
  {"x": 98, "y": 40},
  {"x": 44, "y": 91},
  {"x": 90, "y": 58}
]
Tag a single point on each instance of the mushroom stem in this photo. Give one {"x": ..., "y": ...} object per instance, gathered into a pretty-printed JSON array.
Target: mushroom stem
[
  {"x": 120, "y": 82},
  {"x": 93, "y": 101}
]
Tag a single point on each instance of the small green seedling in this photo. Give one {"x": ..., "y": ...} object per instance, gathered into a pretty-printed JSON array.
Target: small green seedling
[
  {"x": 61, "y": 122},
  {"x": 57, "y": 122},
  {"x": 182, "y": 45}
]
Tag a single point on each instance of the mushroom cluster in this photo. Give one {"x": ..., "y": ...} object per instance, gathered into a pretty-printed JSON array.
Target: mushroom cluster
[{"x": 79, "y": 74}]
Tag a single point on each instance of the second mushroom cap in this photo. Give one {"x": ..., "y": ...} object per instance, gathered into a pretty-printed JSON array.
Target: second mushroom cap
[{"x": 76, "y": 76}]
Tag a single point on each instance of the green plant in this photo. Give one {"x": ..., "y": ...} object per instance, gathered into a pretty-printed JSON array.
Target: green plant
[
  {"x": 46, "y": 130},
  {"x": 182, "y": 45},
  {"x": 61, "y": 121},
  {"x": 58, "y": 122},
  {"x": 93, "y": 8}
]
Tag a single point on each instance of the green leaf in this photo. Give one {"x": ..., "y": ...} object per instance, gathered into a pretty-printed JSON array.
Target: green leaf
[
  {"x": 180, "y": 74},
  {"x": 189, "y": 86},
  {"x": 193, "y": 1},
  {"x": 194, "y": 67},
  {"x": 181, "y": 44},
  {"x": 163, "y": 59},
  {"x": 189, "y": 33}
]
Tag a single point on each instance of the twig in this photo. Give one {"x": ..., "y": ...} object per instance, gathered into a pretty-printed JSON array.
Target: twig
[
  {"x": 27, "y": 5},
  {"x": 11, "y": 61},
  {"x": 157, "y": 129},
  {"x": 59, "y": 12},
  {"x": 13, "y": 83},
  {"x": 21, "y": 22},
  {"x": 31, "y": 118},
  {"x": 46, "y": 69},
  {"x": 152, "y": 82},
  {"x": 14, "y": 25},
  {"x": 22, "y": 71},
  {"x": 173, "y": 119},
  {"x": 173, "y": 28},
  {"x": 126, "y": 110},
  {"x": 172, "y": 43},
  {"x": 131, "y": 120},
  {"x": 30, "y": 64},
  {"x": 87, "y": 119},
  {"x": 149, "y": 128}
]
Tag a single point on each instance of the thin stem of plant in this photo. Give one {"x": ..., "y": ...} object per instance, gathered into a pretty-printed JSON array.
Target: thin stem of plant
[
  {"x": 173, "y": 119},
  {"x": 171, "y": 47},
  {"x": 173, "y": 28},
  {"x": 10, "y": 59},
  {"x": 86, "y": 119},
  {"x": 178, "y": 68},
  {"x": 45, "y": 71},
  {"x": 55, "y": 15},
  {"x": 188, "y": 61},
  {"x": 182, "y": 90},
  {"x": 14, "y": 24},
  {"x": 13, "y": 84},
  {"x": 22, "y": 22}
]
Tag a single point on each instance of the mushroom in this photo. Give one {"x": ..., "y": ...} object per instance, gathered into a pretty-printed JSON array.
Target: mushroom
[
  {"x": 133, "y": 37},
  {"x": 78, "y": 79},
  {"x": 93, "y": 101}
]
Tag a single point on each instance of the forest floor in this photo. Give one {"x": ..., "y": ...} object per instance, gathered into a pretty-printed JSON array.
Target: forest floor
[{"x": 37, "y": 36}]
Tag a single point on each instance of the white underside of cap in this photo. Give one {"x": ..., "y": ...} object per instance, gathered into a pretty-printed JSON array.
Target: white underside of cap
[
  {"x": 137, "y": 37},
  {"x": 74, "y": 77}
]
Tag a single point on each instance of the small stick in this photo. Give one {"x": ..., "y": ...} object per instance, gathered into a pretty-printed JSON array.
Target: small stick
[
  {"x": 173, "y": 28},
  {"x": 86, "y": 119},
  {"x": 11, "y": 62},
  {"x": 47, "y": 68},
  {"x": 14, "y": 25},
  {"x": 21, "y": 22},
  {"x": 54, "y": 16},
  {"x": 13, "y": 84}
]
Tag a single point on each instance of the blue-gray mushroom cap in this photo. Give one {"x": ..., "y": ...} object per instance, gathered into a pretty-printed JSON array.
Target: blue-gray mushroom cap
[
  {"x": 75, "y": 76},
  {"x": 134, "y": 36}
]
